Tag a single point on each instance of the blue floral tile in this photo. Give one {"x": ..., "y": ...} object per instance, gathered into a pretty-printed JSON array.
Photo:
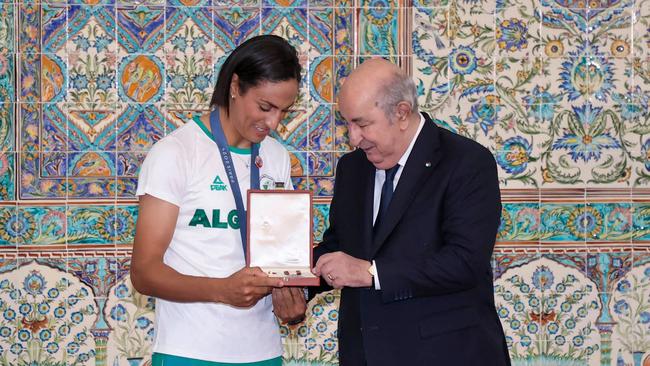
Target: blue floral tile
[
  {"x": 640, "y": 32},
  {"x": 7, "y": 87},
  {"x": 321, "y": 29},
  {"x": 128, "y": 163},
  {"x": 7, "y": 42},
  {"x": 299, "y": 164},
  {"x": 341, "y": 139},
  {"x": 617, "y": 221},
  {"x": 547, "y": 303},
  {"x": 91, "y": 129},
  {"x": 429, "y": 38},
  {"x": 188, "y": 56},
  {"x": 234, "y": 24},
  {"x": 322, "y": 79},
  {"x": 95, "y": 225},
  {"x": 54, "y": 18},
  {"x": 46, "y": 293},
  {"x": 378, "y": 30},
  {"x": 344, "y": 30},
  {"x": 7, "y": 176},
  {"x": 561, "y": 38},
  {"x": 188, "y": 3},
  {"x": 43, "y": 225},
  {"x": 140, "y": 126},
  {"x": 320, "y": 164},
  {"x": 128, "y": 312},
  {"x": 10, "y": 226},
  {"x": 91, "y": 164},
  {"x": 54, "y": 128},
  {"x": 520, "y": 221},
  {"x": 28, "y": 82},
  {"x": 321, "y": 220},
  {"x": 293, "y": 130},
  {"x": 320, "y": 3},
  {"x": 236, "y": 3},
  {"x": 517, "y": 31},
  {"x": 314, "y": 341},
  {"x": 7, "y": 83},
  {"x": 343, "y": 66},
  {"x": 630, "y": 315},
  {"x": 284, "y": 3},
  {"x": 641, "y": 221},
  {"x": 321, "y": 129},
  {"x": 430, "y": 3},
  {"x": 290, "y": 22},
  {"x": 561, "y": 222},
  {"x": 321, "y": 186},
  {"x": 517, "y": 166},
  {"x": 617, "y": 40},
  {"x": 28, "y": 29},
  {"x": 300, "y": 182}
]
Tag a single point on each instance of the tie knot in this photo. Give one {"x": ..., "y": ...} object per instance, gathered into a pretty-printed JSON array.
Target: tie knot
[{"x": 390, "y": 173}]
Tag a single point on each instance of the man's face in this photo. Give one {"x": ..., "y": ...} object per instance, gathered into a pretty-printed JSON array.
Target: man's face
[{"x": 370, "y": 130}]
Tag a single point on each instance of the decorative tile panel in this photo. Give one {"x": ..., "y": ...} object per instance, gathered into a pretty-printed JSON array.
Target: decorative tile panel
[{"x": 557, "y": 90}]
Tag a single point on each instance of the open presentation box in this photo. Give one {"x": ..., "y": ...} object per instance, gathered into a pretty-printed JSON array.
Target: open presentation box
[{"x": 279, "y": 235}]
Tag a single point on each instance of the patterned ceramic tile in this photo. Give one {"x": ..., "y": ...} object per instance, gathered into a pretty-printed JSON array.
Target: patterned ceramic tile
[
  {"x": 140, "y": 28},
  {"x": 139, "y": 127},
  {"x": 314, "y": 341},
  {"x": 557, "y": 90},
  {"x": 47, "y": 316},
  {"x": 641, "y": 221},
  {"x": 520, "y": 222},
  {"x": 40, "y": 225},
  {"x": 548, "y": 311},
  {"x": 565, "y": 222},
  {"x": 9, "y": 227},
  {"x": 101, "y": 224},
  {"x": 130, "y": 315},
  {"x": 321, "y": 129},
  {"x": 189, "y": 52},
  {"x": 321, "y": 220},
  {"x": 234, "y": 24},
  {"x": 630, "y": 315},
  {"x": 7, "y": 176},
  {"x": 378, "y": 29}
]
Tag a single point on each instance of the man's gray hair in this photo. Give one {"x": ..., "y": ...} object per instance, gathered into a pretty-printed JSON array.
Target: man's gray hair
[{"x": 397, "y": 88}]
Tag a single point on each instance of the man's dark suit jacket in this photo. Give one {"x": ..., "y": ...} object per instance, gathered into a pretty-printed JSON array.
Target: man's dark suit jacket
[{"x": 433, "y": 256}]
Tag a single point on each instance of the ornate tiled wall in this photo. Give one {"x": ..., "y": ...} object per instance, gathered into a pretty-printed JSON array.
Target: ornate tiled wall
[{"x": 557, "y": 89}]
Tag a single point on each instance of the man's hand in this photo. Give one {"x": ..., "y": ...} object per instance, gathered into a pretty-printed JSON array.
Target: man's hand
[
  {"x": 289, "y": 304},
  {"x": 340, "y": 270},
  {"x": 245, "y": 287}
]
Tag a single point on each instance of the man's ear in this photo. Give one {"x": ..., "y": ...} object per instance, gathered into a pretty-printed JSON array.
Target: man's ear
[{"x": 403, "y": 111}]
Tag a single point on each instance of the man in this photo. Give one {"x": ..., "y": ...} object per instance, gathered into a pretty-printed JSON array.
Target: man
[{"x": 417, "y": 286}]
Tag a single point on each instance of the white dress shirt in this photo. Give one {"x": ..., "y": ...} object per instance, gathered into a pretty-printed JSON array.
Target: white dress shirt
[{"x": 380, "y": 177}]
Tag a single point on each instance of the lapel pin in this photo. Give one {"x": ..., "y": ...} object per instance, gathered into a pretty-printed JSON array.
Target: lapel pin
[{"x": 427, "y": 164}]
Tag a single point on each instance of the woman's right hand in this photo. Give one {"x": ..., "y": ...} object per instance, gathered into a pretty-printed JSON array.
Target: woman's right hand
[{"x": 247, "y": 286}]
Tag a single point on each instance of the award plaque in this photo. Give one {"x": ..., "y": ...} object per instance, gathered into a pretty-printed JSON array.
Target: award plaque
[{"x": 279, "y": 235}]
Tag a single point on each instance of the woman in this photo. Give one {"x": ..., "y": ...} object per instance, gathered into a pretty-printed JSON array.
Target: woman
[{"x": 210, "y": 308}]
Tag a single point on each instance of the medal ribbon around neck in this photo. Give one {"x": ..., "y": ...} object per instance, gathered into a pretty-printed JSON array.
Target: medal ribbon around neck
[{"x": 220, "y": 138}]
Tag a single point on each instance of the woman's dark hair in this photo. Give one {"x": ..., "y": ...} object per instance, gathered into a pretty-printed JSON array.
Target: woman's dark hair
[{"x": 259, "y": 59}]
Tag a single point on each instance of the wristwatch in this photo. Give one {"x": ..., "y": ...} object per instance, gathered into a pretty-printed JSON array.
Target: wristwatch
[
  {"x": 371, "y": 269},
  {"x": 296, "y": 321}
]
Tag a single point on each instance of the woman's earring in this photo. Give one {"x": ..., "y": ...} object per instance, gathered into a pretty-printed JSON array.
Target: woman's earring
[{"x": 232, "y": 96}]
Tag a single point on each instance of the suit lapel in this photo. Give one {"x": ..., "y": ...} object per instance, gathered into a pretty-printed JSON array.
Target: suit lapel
[
  {"x": 420, "y": 165},
  {"x": 368, "y": 201}
]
